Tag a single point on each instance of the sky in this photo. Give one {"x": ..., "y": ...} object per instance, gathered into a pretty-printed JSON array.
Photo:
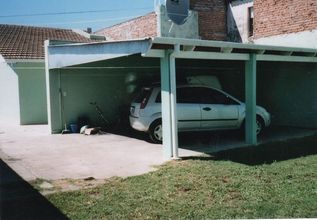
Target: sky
[{"x": 103, "y": 13}]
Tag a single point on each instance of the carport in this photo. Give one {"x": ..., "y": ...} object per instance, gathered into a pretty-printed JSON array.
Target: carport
[{"x": 167, "y": 51}]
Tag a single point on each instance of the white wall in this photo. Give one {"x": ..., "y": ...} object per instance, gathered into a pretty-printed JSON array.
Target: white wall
[
  {"x": 238, "y": 21},
  {"x": 166, "y": 28},
  {"x": 9, "y": 95},
  {"x": 301, "y": 39}
]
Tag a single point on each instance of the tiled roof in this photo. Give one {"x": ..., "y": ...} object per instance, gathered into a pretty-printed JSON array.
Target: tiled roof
[{"x": 26, "y": 42}]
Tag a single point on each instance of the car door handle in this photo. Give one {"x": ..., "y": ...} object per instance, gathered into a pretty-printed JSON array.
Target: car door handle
[{"x": 207, "y": 109}]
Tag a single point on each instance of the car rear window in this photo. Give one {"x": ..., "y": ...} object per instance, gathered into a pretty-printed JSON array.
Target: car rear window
[{"x": 144, "y": 94}]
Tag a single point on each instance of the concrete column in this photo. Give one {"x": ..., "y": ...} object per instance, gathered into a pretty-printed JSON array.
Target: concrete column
[
  {"x": 173, "y": 106},
  {"x": 166, "y": 106},
  {"x": 169, "y": 111},
  {"x": 53, "y": 85},
  {"x": 250, "y": 96},
  {"x": 47, "y": 80}
]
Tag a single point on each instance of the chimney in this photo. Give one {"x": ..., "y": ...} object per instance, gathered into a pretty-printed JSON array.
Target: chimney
[{"x": 89, "y": 30}]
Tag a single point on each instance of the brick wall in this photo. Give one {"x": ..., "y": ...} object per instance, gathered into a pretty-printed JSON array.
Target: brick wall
[
  {"x": 212, "y": 21},
  {"x": 140, "y": 27},
  {"x": 276, "y": 17},
  {"x": 212, "y": 18}
]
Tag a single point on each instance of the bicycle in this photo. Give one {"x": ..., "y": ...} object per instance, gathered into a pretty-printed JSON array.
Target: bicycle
[
  {"x": 106, "y": 123},
  {"x": 114, "y": 125}
]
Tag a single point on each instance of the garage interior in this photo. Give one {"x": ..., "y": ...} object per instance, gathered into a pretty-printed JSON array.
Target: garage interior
[{"x": 283, "y": 80}]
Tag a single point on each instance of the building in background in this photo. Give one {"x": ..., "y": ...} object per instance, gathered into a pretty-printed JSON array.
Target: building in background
[
  {"x": 22, "y": 72},
  {"x": 272, "y": 22},
  {"x": 206, "y": 20},
  {"x": 286, "y": 22},
  {"x": 240, "y": 21}
]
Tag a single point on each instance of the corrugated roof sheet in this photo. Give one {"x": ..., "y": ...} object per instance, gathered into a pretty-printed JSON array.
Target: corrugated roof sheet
[{"x": 27, "y": 42}]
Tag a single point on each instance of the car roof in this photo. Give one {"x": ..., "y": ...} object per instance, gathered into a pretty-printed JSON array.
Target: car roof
[{"x": 158, "y": 85}]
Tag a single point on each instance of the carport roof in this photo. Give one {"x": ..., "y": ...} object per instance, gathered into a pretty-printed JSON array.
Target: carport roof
[
  {"x": 63, "y": 55},
  {"x": 74, "y": 54}
]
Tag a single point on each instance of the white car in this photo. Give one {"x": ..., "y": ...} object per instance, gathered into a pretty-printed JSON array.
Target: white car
[{"x": 199, "y": 108}]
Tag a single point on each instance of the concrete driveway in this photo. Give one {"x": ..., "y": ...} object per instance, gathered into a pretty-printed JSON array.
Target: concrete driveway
[{"x": 33, "y": 153}]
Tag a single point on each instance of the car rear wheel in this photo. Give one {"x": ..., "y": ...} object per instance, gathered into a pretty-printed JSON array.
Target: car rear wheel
[{"x": 156, "y": 133}]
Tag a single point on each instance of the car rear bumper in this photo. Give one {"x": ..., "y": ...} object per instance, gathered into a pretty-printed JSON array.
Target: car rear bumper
[{"x": 140, "y": 124}]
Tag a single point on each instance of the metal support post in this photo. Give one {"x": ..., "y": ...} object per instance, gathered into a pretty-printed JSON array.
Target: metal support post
[
  {"x": 166, "y": 106},
  {"x": 250, "y": 96},
  {"x": 173, "y": 106}
]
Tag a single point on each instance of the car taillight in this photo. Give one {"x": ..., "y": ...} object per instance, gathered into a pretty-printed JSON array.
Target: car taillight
[
  {"x": 144, "y": 102},
  {"x": 143, "y": 97}
]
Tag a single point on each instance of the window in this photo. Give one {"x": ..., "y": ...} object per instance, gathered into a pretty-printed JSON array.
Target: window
[
  {"x": 185, "y": 95},
  {"x": 189, "y": 95},
  {"x": 212, "y": 96},
  {"x": 143, "y": 95},
  {"x": 250, "y": 22}
]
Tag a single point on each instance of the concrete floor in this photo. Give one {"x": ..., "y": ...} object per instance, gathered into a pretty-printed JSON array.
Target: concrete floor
[
  {"x": 212, "y": 142},
  {"x": 33, "y": 153}
]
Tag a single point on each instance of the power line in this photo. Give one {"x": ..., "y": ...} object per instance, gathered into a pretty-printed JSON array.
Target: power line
[
  {"x": 69, "y": 12},
  {"x": 90, "y": 21}
]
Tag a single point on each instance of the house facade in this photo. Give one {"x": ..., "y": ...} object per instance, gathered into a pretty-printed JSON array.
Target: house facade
[
  {"x": 283, "y": 23},
  {"x": 240, "y": 26},
  {"x": 22, "y": 71},
  {"x": 286, "y": 22},
  {"x": 271, "y": 22}
]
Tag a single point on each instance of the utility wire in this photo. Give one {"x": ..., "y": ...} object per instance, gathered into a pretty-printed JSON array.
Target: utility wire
[
  {"x": 89, "y": 21},
  {"x": 69, "y": 12}
]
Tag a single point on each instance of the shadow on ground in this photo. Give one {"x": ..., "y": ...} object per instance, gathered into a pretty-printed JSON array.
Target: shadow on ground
[
  {"x": 19, "y": 200},
  {"x": 268, "y": 152},
  {"x": 131, "y": 133}
]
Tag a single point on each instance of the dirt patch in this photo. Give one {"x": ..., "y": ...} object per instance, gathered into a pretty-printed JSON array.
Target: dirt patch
[{"x": 65, "y": 185}]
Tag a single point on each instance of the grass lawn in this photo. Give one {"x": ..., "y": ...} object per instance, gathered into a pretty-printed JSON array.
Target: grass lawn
[{"x": 271, "y": 181}]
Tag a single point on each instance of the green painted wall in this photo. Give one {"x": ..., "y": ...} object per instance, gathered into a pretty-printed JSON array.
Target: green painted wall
[
  {"x": 111, "y": 84},
  {"x": 289, "y": 92},
  {"x": 32, "y": 93},
  {"x": 229, "y": 73}
]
